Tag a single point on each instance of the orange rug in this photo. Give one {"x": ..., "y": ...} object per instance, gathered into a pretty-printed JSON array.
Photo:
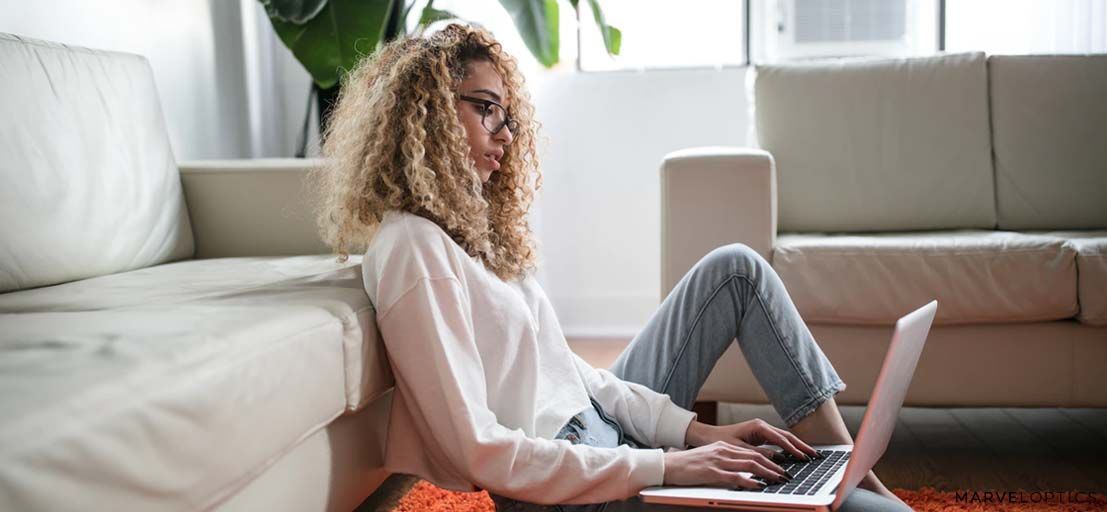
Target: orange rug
[{"x": 426, "y": 497}]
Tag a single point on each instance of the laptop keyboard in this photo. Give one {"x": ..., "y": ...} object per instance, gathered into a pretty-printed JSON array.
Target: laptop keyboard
[{"x": 808, "y": 477}]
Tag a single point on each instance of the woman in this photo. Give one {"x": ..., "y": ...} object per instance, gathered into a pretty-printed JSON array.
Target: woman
[{"x": 431, "y": 165}]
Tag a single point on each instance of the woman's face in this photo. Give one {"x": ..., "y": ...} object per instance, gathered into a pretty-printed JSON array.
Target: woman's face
[{"x": 484, "y": 108}]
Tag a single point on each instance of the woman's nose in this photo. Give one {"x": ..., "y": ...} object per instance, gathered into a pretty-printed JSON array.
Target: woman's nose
[{"x": 504, "y": 136}]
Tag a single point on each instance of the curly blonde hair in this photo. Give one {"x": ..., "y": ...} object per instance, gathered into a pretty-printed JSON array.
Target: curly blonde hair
[{"x": 394, "y": 142}]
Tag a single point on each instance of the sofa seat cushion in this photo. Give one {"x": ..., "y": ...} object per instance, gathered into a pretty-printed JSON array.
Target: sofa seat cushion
[
  {"x": 202, "y": 372},
  {"x": 1091, "y": 269},
  {"x": 977, "y": 276}
]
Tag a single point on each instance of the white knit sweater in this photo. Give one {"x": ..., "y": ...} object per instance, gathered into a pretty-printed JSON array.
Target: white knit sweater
[{"x": 485, "y": 380}]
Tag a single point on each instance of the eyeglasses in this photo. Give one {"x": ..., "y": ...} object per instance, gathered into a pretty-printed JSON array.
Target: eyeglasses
[{"x": 493, "y": 116}]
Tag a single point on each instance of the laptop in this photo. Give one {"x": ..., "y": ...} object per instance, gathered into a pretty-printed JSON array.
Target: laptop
[{"x": 824, "y": 483}]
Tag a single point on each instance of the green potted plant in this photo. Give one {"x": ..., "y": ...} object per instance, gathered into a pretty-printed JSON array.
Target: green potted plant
[{"x": 329, "y": 37}]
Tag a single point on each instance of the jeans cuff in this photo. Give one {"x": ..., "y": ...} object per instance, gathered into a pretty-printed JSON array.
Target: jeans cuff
[{"x": 813, "y": 403}]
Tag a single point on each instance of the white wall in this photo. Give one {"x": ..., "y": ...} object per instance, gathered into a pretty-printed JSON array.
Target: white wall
[{"x": 599, "y": 207}]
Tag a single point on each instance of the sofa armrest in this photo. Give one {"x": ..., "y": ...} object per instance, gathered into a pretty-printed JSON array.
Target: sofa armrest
[
  {"x": 254, "y": 207},
  {"x": 714, "y": 196}
]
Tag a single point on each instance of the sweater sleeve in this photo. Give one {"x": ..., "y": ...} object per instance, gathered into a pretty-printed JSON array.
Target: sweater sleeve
[
  {"x": 429, "y": 337},
  {"x": 645, "y": 414}
]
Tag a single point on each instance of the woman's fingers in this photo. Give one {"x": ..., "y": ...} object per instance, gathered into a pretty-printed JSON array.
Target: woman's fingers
[
  {"x": 798, "y": 448},
  {"x": 769, "y": 453},
  {"x": 770, "y": 435},
  {"x": 796, "y": 441},
  {"x": 756, "y": 463},
  {"x": 737, "y": 480}
]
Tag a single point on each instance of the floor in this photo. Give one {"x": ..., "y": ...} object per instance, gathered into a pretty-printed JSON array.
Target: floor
[
  {"x": 388, "y": 494},
  {"x": 981, "y": 448},
  {"x": 970, "y": 448}
]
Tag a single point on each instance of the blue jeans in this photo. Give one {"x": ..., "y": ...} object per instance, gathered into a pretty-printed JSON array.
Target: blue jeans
[{"x": 730, "y": 293}]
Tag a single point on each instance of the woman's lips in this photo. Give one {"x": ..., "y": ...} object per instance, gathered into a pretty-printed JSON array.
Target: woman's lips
[{"x": 493, "y": 162}]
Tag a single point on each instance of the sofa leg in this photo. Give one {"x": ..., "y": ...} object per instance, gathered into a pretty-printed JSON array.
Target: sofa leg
[{"x": 707, "y": 412}]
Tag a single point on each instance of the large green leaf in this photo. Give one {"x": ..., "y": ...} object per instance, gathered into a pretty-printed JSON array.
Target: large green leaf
[
  {"x": 612, "y": 37},
  {"x": 537, "y": 23},
  {"x": 295, "y": 11},
  {"x": 338, "y": 37},
  {"x": 431, "y": 15}
]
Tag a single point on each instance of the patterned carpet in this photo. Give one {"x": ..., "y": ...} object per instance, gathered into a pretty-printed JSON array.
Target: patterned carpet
[{"x": 424, "y": 497}]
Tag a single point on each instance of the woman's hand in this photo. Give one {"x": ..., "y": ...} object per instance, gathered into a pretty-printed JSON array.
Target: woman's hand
[
  {"x": 750, "y": 434},
  {"x": 719, "y": 463}
]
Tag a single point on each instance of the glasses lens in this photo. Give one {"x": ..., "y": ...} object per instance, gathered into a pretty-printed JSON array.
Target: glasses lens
[{"x": 494, "y": 118}]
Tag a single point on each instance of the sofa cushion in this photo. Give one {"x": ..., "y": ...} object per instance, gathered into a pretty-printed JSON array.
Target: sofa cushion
[
  {"x": 1049, "y": 121},
  {"x": 88, "y": 184},
  {"x": 1091, "y": 267},
  {"x": 977, "y": 276},
  {"x": 202, "y": 372},
  {"x": 879, "y": 144}
]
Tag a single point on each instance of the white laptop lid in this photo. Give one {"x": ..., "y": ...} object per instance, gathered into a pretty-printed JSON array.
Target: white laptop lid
[{"x": 888, "y": 394}]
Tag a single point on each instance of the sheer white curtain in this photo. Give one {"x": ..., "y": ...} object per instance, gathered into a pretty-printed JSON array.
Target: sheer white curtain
[
  {"x": 277, "y": 88},
  {"x": 1027, "y": 26}
]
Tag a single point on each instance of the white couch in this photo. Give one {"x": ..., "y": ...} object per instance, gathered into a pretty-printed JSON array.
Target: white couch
[
  {"x": 883, "y": 183},
  {"x": 171, "y": 337}
]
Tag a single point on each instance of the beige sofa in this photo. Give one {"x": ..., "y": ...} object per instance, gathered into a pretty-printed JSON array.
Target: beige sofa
[
  {"x": 173, "y": 337},
  {"x": 881, "y": 184}
]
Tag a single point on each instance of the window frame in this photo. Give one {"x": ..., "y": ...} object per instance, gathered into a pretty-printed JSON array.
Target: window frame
[{"x": 941, "y": 26}]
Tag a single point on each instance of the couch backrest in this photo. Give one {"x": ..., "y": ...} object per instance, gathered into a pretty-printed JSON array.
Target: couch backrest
[
  {"x": 1049, "y": 123},
  {"x": 879, "y": 144},
  {"x": 88, "y": 183}
]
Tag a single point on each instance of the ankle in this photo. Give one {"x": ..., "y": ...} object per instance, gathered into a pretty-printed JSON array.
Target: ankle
[{"x": 872, "y": 483}]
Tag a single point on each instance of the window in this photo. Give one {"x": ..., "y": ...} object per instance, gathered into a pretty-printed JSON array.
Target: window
[
  {"x": 803, "y": 29},
  {"x": 1026, "y": 26},
  {"x": 689, "y": 33},
  {"x": 716, "y": 33}
]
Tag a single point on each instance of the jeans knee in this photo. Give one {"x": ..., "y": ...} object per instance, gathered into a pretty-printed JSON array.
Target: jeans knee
[{"x": 736, "y": 257}]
